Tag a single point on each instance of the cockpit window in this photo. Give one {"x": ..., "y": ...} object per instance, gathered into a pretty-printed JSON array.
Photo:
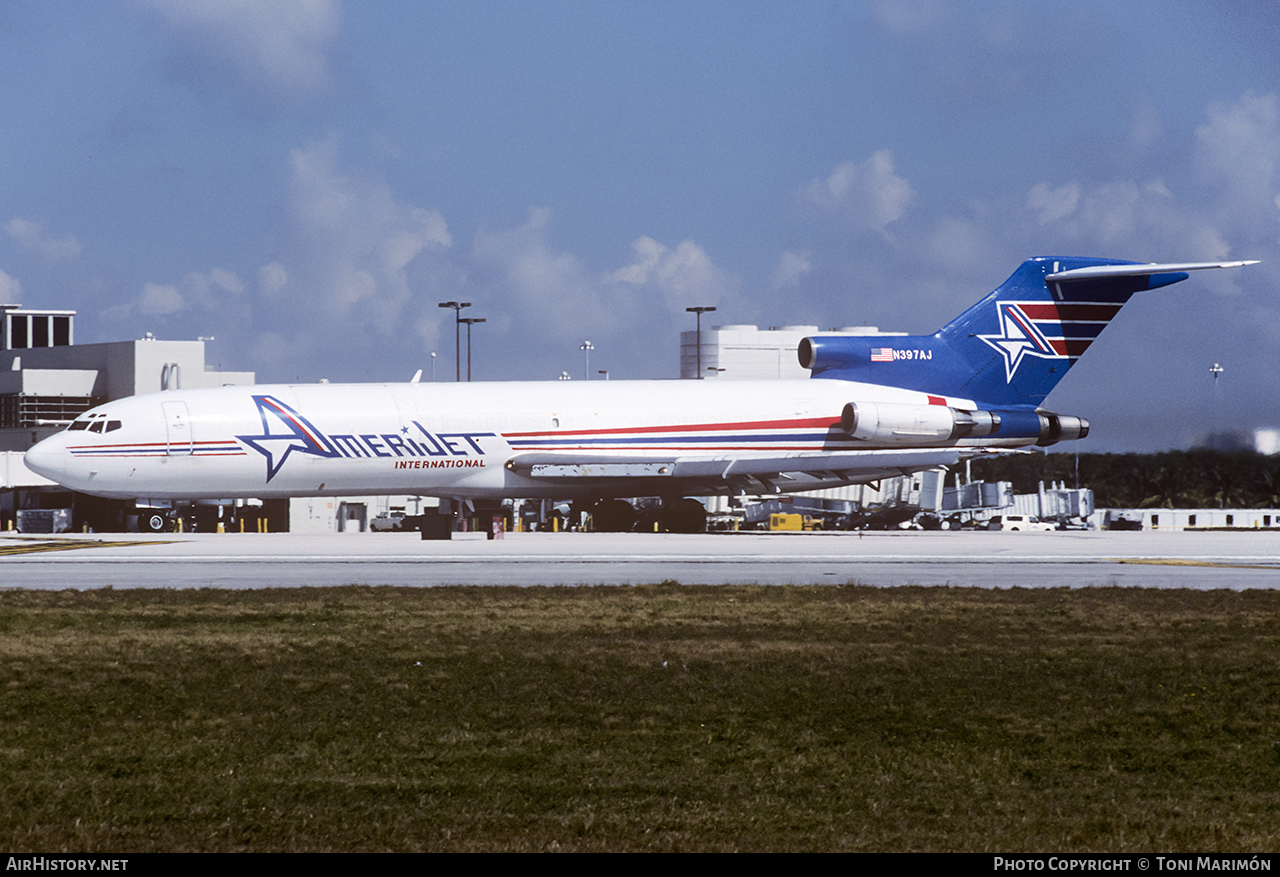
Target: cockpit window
[{"x": 95, "y": 423}]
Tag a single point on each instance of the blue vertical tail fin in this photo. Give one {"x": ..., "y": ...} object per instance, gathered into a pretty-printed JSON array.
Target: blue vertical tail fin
[{"x": 1011, "y": 348}]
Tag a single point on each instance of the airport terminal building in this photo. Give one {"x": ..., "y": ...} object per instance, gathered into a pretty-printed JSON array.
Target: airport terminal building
[{"x": 47, "y": 380}]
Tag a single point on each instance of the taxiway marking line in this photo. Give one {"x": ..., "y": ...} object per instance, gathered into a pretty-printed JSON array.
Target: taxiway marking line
[
  {"x": 66, "y": 545},
  {"x": 1173, "y": 561}
]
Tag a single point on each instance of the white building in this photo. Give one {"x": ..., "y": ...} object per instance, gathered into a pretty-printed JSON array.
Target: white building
[
  {"x": 1188, "y": 519},
  {"x": 46, "y": 379},
  {"x": 747, "y": 353}
]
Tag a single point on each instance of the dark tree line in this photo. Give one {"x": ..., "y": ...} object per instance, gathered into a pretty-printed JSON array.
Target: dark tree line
[{"x": 1199, "y": 478}]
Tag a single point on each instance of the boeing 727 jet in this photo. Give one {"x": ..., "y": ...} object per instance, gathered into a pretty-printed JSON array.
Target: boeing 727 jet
[{"x": 875, "y": 407}]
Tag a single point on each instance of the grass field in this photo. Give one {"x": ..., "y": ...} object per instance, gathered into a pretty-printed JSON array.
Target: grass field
[{"x": 663, "y": 717}]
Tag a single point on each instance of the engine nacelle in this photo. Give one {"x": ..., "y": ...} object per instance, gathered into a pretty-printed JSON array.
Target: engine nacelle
[
  {"x": 819, "y": 353},
  {"x": 895, "y": 423},
  {"x": 1061, "y": 428}
]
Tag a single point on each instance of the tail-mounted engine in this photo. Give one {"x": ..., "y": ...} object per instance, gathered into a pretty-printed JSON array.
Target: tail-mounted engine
[{"x": 898, "y": 424}]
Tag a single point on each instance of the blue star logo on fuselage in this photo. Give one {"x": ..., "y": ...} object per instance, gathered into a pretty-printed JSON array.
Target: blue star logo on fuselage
[{"x": 297, "y": 435}]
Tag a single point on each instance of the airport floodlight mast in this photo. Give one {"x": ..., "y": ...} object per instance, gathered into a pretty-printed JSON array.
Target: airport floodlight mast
[
  {"x": 457, "y": 334},
  {"x": 470, "y": 321},
  {"x": 699, "y": 311},
  {"x": 433, "y": 366},
  {"x": 586, "y": 347},
  {"x": 1215, "y": 438}
]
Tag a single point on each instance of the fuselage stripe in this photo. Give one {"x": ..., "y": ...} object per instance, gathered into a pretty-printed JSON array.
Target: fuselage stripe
[
  {"x": 807, "y": 423},
  {"x": 746, "y": 440}
]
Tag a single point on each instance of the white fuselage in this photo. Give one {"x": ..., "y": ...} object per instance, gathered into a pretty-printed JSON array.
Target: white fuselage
[{"x": 449, "y": 440}]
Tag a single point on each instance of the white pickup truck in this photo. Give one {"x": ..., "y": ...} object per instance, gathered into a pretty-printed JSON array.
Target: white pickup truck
[
  {"x": 388, "y": 521},
  {"x": 1025, "y": 522}
]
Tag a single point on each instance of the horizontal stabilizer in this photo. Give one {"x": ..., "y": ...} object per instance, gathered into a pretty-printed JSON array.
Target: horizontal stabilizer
[{"x": 1096, "y": 271}]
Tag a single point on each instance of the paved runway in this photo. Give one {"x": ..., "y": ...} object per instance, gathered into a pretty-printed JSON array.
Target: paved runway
[{"x": 978, "y": 559}]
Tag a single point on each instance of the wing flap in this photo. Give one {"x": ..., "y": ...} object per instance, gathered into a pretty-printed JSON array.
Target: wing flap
[{"x": 841, "y": 466}]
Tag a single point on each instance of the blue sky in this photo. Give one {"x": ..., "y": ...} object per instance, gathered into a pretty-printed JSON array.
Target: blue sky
[{"x": 307, "y": 179}]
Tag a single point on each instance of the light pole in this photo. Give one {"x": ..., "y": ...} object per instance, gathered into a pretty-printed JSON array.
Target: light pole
[
  {"x": 457, "y": 334},
  {"x": 1214, "y": 438},
  {"x": 605, "y": 372},
  {"x": 433, "y": 366},
  {"x": 586, "y": 347},
  {"x": 699, "y": 312},
  {"x": 470, "y": 321}
]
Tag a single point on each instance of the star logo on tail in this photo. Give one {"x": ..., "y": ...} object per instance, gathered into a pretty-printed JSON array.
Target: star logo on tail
[
  {"x": 283, "y": 432},
  {"x": 1019, "y": 337}
]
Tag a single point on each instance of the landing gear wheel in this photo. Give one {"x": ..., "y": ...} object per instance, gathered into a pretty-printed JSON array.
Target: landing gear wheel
[
  {"x": 613, "y": 516},
  {"x": 684, "y": 516},
  {"x": 154, "y": 522}
]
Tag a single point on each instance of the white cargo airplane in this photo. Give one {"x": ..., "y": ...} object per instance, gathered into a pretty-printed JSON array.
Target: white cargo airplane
[{"x": 878, "y": 406}]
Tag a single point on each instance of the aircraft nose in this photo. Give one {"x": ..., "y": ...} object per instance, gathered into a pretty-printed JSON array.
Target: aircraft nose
[{"x": 49, "y": 458}]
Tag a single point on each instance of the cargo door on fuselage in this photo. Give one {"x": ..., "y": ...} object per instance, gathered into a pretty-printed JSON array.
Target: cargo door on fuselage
[{"x": 177, "y": 428}]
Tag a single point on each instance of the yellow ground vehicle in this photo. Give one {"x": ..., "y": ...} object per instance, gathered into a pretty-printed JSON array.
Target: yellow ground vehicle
[{"x": 794, "y": 522}]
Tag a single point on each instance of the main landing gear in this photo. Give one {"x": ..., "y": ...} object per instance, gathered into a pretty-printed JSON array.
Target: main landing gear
[
  {"x": 677, "y": 516},
  {"x": 683, "y": 516},
  {"x": 155, "y": 520},
  {"x": 613, "y": 516}
]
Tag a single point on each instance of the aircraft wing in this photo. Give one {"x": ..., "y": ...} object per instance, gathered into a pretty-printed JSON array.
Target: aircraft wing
[{"x": 775, "y": 473}]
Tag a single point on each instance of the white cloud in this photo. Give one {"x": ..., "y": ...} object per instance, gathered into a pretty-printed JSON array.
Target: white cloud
[
  {"x": 907, "y": 17},
  {"x": 353, "y": 243},
  {"x": 1241, "y": 141},
  {"x": 791, "y": 267},
  {"x": 157, "y": 298},
  {"x": 549, "y": 297},
  {"x": 544, "y": 291},
  {"x": 1146, "y": 126},
  {"x": 272, "y": 278},
  {"x": 1053, "y": 204},
  {"x": 648, "y": 253},
  {"x": 10, "y": 290},
  {"x": 281, "y": 44},
  {"x": 963, "y": 244},
  {"x": 685, "y": 276},
  {"x": 1141, "y": 220},
  {"x": 867, "y": 196},
  {"x": 1239, "y": 150},
  {"x": 32, "y": 237},
  {"x": 216, "y": 291}
]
